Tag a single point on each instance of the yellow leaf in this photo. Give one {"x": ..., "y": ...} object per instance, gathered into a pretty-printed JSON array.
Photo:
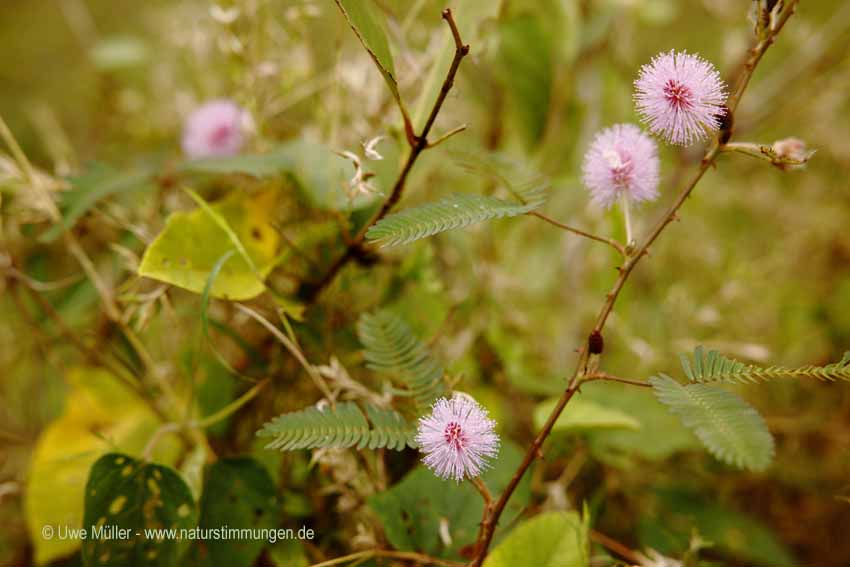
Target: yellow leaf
[
  {"x": 186, "y": 250},
  {"x": 101, "y": 415}
]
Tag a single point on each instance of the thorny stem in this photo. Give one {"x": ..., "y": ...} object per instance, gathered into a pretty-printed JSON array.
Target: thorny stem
[
  {"x": 757, "y": 51},
  {"x": 609, "y": 241},
  {"x": 310, "y": 292},
  {"x": 488, "y": 502},
  {"x": 490, "y": 520}
]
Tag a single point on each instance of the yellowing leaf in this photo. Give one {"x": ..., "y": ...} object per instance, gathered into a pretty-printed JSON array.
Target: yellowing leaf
[
  {"x": 101, "y": 415},
  {"x": 184, "y": 253}
]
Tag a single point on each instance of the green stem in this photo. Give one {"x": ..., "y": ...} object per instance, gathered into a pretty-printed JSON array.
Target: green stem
[{"x": 624, "y": 203}]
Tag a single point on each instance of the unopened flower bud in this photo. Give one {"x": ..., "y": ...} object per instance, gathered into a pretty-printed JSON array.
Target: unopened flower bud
[{"x": 791, "y": 153}]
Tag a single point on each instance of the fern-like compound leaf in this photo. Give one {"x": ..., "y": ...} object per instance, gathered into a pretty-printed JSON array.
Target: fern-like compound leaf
[
  {"x": 392, "y": 348},
  {"x": 715, "y": 367},
  {"x": 454, "y": 211},
  {"x": 343, "y": 427},
  {"x": 731, "y": 429}
]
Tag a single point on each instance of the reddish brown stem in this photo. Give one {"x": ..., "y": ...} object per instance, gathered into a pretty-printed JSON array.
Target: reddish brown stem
[
  {"x": 310, "y": 292},
  {"x": 490, "y": 521},
  {"x": 613, "y": 545}
]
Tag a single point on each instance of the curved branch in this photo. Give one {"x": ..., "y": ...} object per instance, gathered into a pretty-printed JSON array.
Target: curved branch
[
  {"x": 755, "y": 54},
  {"x": 609, "y": 241},
  {"x": 310, "y": 292}
]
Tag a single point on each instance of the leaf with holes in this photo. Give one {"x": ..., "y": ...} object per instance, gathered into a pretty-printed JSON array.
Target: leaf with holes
[
  {"x": 124, "y": 499},
  {"x": 186, "y": 251},
  {"x": 100, "y": 415},
  {"x": 239, "y": 494},
  {"x": 728, "y": 426}
]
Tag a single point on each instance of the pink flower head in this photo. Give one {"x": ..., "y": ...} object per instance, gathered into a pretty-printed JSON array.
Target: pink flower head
[
  {"x": 680, "y": 96},
  {"x": 457, "y": 438},
  {"x": 215, "y": 129},
  {"x": 621, "y": 160}
]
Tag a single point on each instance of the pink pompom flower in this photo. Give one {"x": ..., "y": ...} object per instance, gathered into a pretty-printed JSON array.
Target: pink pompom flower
[
  {"x": 621, "y": 161},
  {"x": 680, "y": 96},
  {"x": 216, "y": 128},
  {"x": 457, "y": 438}
]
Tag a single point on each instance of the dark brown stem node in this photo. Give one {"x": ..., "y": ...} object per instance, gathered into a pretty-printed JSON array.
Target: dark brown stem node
[{"x": 595, "y": 343}]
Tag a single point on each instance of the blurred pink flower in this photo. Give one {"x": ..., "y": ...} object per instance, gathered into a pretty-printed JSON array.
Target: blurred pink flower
[
  {"x": 621, "y": 159},
  {"x": 216, "y": 128},
  {"x": 680, "y": 96},
  {"x": 457, "y": 438}
]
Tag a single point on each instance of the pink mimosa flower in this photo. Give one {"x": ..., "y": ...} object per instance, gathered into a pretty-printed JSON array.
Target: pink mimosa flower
[
  {"x": 457, "y": 438},
  {"x": 680, "y": 96},
  {"x": 621, "y": 160},
  {"x": 216, "y": 128}
]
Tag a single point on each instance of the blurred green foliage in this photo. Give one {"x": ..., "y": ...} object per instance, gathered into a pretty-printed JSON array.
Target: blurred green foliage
[{"x": 758, "y": 267}]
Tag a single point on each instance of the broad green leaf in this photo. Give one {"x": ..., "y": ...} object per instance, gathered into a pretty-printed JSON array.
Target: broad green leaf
[
  {"x": 216, "y": 389},
  {"x": 728, "y": 426},
  {"x": 526, "y": 52},
  {"x": 101, "y": 415},
  {"x": 187, "y": 249},
  {"x": 551, "y": 539},
  {"x": 238, "y": 493},
  {"x": 678, "y": 512},
  {"x": 581, "y": 414},
  {"x": 668, "y": 434},
  {"x": 412, "y": 511},
  {"x": 320, "y": 174},
  {"x": 367, "y": 24},
  {"x": 288, "y": 553},
  {"x": 123, "y": 493},
  {"x": 268, "y": 164},
  {"x": 538, "y": 39},
  {"x": 87, "y": 190}
]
